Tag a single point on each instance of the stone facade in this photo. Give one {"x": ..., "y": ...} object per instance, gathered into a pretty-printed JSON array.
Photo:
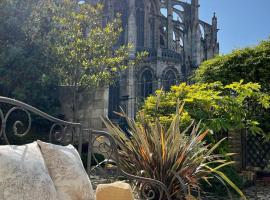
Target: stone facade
[
  {"x": 91, "y": 106},
  {"x": 176, "y": 39},
  {"x": 177, "y": 42}
]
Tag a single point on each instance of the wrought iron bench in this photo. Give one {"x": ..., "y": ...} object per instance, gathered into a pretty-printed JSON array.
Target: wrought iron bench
[{"x": 17, "y": 119}]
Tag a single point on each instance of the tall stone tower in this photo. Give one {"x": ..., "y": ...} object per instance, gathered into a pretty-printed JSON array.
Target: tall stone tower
[{"x": 177, "y": 42}]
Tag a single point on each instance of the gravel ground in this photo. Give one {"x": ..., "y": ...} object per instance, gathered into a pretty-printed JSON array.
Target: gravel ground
[{"x": 261, "y": 191}]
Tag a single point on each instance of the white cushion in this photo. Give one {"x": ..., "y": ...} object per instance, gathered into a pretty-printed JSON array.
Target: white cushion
[
  {"x": 67, "y": 172},
  {"x": 23, "y": 174}
]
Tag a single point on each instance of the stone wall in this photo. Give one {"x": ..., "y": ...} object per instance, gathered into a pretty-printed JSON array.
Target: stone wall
[{"x": 91, "y": 106}]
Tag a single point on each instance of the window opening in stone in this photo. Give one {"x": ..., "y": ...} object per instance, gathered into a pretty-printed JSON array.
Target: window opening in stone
[
  {"x": 146, "y": 83},
  {"x": 164, "y": 12},
  {"x": 169, "y": 80},
  {"x": 177, "y": 17},
  {"x": 202, "y": 31},
  {"x": 178, "y": 7}
]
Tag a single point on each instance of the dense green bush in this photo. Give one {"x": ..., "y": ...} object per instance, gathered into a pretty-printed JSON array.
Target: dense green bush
[
  {"x": 219, "y": 107},
  {"x": 249, "y": 64}
]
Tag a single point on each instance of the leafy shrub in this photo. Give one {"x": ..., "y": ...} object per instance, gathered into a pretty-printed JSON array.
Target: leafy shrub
[
  {"x": 219, "y": 107},
  {"x": 180, "y": 160},
  {"x": 249, "y": 64}
]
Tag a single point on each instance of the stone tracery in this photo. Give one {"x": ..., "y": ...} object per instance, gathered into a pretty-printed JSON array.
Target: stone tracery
[{"x": 172, "y": 33}]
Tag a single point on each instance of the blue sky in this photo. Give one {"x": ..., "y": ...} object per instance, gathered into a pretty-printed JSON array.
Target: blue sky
[{"x": 242, "y": 23}]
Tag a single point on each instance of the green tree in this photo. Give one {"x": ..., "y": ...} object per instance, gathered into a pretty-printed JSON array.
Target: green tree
[
  {"x": 86, "y": 45},
  {"x": 50, "y": 43},
  {"x": 26, "y": 71},
  {"x": 249, "y": 64}
]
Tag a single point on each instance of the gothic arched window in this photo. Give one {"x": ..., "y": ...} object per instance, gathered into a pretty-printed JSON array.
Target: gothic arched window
[
  {"x": 146, "y": 83},
  {"x": 140, "y": 12},
  {"x": 169, "y": 80}
]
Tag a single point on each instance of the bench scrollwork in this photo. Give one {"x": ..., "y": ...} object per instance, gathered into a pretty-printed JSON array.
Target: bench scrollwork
[{"x": 60, "y": 130}]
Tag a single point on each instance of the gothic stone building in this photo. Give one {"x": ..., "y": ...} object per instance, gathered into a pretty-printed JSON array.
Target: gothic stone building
[{"x": 177, "y": 42}]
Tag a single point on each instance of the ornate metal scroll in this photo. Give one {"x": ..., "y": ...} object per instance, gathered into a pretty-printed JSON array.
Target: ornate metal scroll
[
  {"x": 60, "y": 130},
  {"x": 68, "y": 132},
  {"x": 102, "y": 142},
  {"x": 16, "y": 124}
]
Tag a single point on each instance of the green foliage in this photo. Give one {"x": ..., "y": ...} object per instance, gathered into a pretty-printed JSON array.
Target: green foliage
[
  {"x": 219, "y": 107},
  {"x": 85, "y": 44},
  {"x": 86, "y": 47},
  {"x": 249, "y": 64},
  {"x": 26, "y": 72},
  {"x": 47, "y": 43},
  {"x": 181, "y": 160}
]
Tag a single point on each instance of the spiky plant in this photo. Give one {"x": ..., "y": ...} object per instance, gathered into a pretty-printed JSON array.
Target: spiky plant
[{"x": 181, "y": 160}]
